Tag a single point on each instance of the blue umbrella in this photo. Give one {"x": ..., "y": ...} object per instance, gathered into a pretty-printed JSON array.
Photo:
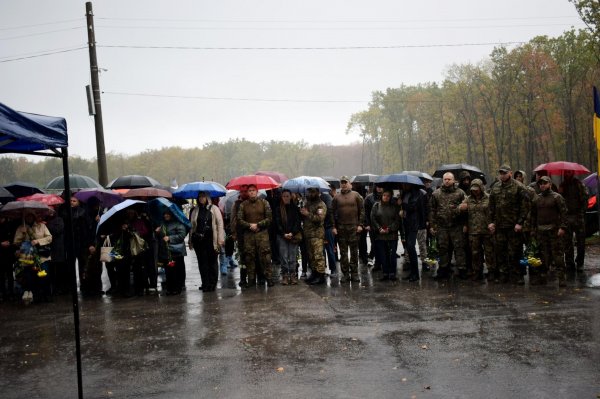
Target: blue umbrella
[
  {"x": 399, "y": 178},
  {"x": 104, "y": 219},
  {"x": 302, "y": 183},
  {"x": 419, "y": 174},
  {"x": 191, "y": 190},
  {"x": 158, "y": 206}
]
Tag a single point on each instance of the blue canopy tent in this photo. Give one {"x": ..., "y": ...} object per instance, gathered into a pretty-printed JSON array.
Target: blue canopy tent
[{"x": 32, "y": 134}]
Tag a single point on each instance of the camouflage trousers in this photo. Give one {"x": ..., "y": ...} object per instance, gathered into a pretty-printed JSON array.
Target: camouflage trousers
[
  {"x": 551, "y": 251},
  {"x": 509, "y": 251},
  {"x": 257, "y": 246},
  {"x": 482, "y": 249},
  {"x": 449, "y": 238},
  {"x": 576, "y": 227},
  {"x": 316, "y": 256},
  {"x": 422, "y": 242},
  {"x": 348, "y": 241}
]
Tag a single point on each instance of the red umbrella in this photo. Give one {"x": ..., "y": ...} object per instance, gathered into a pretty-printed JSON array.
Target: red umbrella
[
  {"x": 559, "y": 167},
  {"x": 278, "y": 177},
  {"x": 48, "y": 199},
  {"x": 147, "y": 192},
  {"x": 261, "y": 182}
]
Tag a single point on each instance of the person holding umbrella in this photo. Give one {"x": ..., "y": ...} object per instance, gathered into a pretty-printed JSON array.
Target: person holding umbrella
[
  {"x": 32, "y": 236},
  {"x": 385, "y": 223},
  {"x": 171, "y": 251},
  {"x": 414, "y": 215},
  {"x": 207, "y": 237}
]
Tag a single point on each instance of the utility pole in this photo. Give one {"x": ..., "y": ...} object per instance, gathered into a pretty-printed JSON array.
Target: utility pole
[{"x": 100, "y": 150}]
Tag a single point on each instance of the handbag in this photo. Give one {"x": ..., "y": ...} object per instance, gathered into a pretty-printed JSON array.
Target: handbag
[
  {"x": 106, "y": 250},
  {"x": 44, "y": 251},
  {"x": 137, "y": 244}
]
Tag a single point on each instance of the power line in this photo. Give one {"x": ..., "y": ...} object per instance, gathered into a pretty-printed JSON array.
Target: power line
[
  {"x": 314, "y": 48},
  {"x": 335, "y": 20},
  {"x": 43, "y": 54},
  {"x": 42, "y": 24},
  {"x": 41, "y": 33},
  {"x": 329, "y": 28},
  {"x": 247, "y": 99}
]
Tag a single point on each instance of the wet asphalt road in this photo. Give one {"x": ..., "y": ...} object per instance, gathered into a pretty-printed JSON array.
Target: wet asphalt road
[{"x": 374, "y": 340}]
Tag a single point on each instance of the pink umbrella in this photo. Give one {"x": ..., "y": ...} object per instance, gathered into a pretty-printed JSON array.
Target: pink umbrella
[
  {"x": 277, "y": 176},
  {"x": 48, "y": 199},
  {"x": 261, "y": 182},
  {"x": 559, "y": 168}
]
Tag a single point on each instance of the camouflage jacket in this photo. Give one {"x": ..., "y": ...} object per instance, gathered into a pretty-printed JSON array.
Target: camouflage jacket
[
  {"x": 443, "y": 207},
  {"x": 478, "y": 213},
  {"x": 254, "y": 211},
  {"x": 509, "y": 204},
  {"x": 314, "y": 222},
  {"x": 549, "y": 211}
]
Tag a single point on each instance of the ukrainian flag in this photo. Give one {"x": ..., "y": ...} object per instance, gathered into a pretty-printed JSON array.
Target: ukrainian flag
[{"x": 597, "y": 118}]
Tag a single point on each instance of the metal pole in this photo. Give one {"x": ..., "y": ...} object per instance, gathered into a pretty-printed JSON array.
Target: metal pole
[
  {"x": 70, "y": 258},
  {"x": 100, "y": 150}
]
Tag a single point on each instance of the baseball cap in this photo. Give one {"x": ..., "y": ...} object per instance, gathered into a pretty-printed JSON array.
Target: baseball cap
[{"x": 504, "y": 168}]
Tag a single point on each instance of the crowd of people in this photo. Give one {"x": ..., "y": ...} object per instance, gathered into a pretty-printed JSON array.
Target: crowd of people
[{"x": 461, "y": 229}]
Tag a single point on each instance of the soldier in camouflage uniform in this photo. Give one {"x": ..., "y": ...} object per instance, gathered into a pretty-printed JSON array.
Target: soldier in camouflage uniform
[
  {"x": 313, "y": 215},
  {"x": 509, "y": 206},
  {"x": 447, "y": 224},
  {"x": 237, "y": 232},
  {"x": 480, "y": 241},
  {"x": 254, "y": 218},
  {"x": 548, "y": 215},
  {"x": 575, "y": 195},
  {"x": 349, "y": 219}
]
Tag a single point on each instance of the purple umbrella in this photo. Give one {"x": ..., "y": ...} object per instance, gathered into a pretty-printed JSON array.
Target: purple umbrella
[
  {"x": 107, "y": 198},
  {"x": 591, "y": 182}
]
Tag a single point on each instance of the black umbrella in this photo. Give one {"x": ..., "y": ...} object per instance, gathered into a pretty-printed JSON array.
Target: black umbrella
[
  {"x": 75, "y": 182},
  {"x": 6, "y": 196},
  {"x": 133, "y": 181},
  {"x": 22, "y": 189},
  {"x": 456, "y": 168},
  {"x": 333, "y": 181},
  {"x": 365, "y": 178}
]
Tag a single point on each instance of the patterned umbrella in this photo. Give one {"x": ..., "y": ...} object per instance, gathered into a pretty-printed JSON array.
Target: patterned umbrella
[{"x": 48, "y": 199}]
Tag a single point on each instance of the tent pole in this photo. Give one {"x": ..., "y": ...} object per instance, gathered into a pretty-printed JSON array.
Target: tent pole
[{"x": 70, "y": 258}]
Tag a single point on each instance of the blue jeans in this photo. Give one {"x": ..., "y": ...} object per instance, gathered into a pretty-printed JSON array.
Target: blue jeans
[
  {"x": 328, "y": 248},
  {"x": 385, "y": 255},
  {"x": 223, "y": 261},
  {"x": 287, "y": 255}
]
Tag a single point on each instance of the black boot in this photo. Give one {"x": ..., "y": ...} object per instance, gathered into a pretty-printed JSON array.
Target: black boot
[
  {"x": 319, "y": 279},
  {"x": 313, "y": 277},
  {"x": 243, "y": 280}
]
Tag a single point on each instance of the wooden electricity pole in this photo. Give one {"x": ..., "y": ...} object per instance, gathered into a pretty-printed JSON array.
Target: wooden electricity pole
[{"x": 100, "y": 150}]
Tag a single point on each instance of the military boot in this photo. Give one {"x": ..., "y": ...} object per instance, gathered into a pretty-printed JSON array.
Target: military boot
[
  {"x": 294, "y": 279},
  {"x": 313, "y": 277},
  {"x": 285, "y": 279},
  {"x": 243, "y": 280},
  {"x": 319, "y": 279},
  {"x": 251, "y": 280}
]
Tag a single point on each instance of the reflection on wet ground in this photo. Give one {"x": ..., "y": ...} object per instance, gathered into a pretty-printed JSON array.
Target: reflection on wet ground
[{"x": 374, "y": 339}]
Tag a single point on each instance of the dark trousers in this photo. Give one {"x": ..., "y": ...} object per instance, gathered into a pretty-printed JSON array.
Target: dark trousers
[
  {"x": 328, "y": 247},
  {"x": 175, "y": 274},
  {"x": 6, "y": 278},
  {"x": 385, "y": 255},
  {"x": 411, "y": 247},
  {"x": 208, "y": 265}
]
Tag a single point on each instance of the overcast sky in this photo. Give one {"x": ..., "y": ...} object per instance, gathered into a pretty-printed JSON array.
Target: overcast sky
[{"x": 260, "y": 70}]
